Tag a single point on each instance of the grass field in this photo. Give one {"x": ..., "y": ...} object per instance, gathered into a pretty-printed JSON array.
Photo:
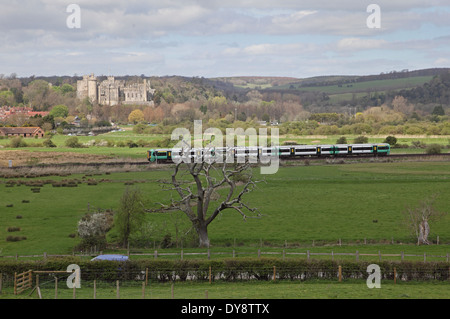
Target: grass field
[
  {"x": 313, "y": 289},
  {"x": 300, "y": 204},
  {"x": 374, "y": 86}
]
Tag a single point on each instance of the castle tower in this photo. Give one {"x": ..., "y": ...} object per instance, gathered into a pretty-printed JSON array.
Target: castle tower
[{"x": 92, "y": 88}]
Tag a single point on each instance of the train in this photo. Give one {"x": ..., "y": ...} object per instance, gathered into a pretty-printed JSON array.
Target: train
[{"x": 171, "y": 155}]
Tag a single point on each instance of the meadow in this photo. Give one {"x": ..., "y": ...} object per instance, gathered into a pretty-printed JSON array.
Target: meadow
[
  {"x": 301, "y": 206},
  {"x": 263, "y": 291}
]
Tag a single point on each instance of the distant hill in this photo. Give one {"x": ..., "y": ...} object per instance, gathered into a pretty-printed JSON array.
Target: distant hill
[
  {"x": 340, "y": 90},
  {"x": 289, "y": 83}
]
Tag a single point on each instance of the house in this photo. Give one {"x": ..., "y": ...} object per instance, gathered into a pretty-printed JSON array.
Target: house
[{"x": 22, "y": 131}]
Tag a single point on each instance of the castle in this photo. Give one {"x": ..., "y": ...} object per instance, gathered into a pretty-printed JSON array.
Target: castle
[{"x": 113, "y": 92}]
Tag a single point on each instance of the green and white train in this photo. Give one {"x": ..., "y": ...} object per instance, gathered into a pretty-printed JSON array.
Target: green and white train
[{"x": 283, "y": 152}]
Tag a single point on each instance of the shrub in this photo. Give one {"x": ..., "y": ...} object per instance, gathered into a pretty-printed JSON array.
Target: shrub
[
  {"x": 48, "y": 143},
  {"x": 131, "y": 144},
  {"x": 17, "y": 142},
  {"x": 418, "y": 144},
  {"x": 72, "y": 142},
  {"x": 15, "y": 238},
  {"x": 434, "y": 149},
  {"x": 361, "y": 140},
  {"x": 341, "y": 140},
  {"x": 392, "y": 140}
]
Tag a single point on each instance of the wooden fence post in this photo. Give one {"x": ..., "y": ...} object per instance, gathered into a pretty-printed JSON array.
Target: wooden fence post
[
  {"x": 340, "y": 273},
  {"x": 146, "y": 276},
  {"x": 274, "y": 273},
  {"x": 118, "y": 290},
  {"x": 210, "y": 275},
  {"x": 56, "y": 288},
  {"x": 395, "y": 275}
]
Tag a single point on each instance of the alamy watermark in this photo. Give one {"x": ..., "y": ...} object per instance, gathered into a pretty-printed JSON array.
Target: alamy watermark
[
  {"x": 374, "y": 279},
  {"x": 74, "y": 280},
  {"x": 374, "y": 20},
  {"x": 73, "y": 21},
  {"x": 251, "y": 146}
]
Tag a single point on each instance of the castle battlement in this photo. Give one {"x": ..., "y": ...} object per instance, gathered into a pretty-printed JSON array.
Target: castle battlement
[{"x": 113, "y": 92}]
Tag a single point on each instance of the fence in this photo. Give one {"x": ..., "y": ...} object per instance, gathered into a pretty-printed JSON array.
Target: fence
[
  {"x": 22, "y": 281},
  {"x": 52, "y": 284},
  {"x": 259, "y": 253}
]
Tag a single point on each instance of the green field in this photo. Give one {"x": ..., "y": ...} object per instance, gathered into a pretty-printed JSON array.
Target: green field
[
  {"x": 300, "y": 204},
  {"x": 313, "y": 289},
  {"x": 366, "y": 86}
]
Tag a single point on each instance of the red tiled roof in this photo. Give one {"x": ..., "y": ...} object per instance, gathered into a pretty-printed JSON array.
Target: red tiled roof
[{"x": 19, "y": 130}]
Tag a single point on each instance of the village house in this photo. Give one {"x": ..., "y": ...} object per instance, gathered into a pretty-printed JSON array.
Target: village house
[
  {"x": 22, "y": 131},
  {"x": 8, "y": 111}
]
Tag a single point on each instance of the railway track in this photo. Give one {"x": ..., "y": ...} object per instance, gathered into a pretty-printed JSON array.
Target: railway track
[{"x": 141, "y": 163}]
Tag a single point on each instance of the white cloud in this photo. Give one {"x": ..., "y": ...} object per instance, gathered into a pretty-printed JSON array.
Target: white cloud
[
  {"x": 183, "y": 35},
  {"x": 354, "y": 44}
]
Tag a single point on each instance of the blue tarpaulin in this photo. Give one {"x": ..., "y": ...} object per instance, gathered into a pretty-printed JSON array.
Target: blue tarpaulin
[{"x": 111, "y": 257}]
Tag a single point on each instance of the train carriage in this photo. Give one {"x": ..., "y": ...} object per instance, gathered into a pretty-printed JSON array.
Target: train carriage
[{"x": 254, "y": 153}]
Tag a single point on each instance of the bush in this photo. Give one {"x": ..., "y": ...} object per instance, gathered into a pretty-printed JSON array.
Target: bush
[
  {"x": 418, "y": 144},
  {"x": 434, "y": 149},
  {"x": 49, "y": 143},
  {"x": 392, "y": 140},
  {"x": 341, "y": 140},
  {"x": 361, "y": 140},
  {"x": 72, "y": 142},
  {"x": 15, "y": 238},
  {"x": 17, "y": 142},
  {"x": 235, "y": 269},
  {"x": 131, "y": 144}
]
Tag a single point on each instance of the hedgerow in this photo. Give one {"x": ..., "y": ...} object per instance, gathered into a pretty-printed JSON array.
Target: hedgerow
[{"x": 262, "y": 269}]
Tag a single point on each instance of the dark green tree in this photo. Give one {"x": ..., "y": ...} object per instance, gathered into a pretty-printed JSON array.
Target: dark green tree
[{"x": 130, "y": 215}]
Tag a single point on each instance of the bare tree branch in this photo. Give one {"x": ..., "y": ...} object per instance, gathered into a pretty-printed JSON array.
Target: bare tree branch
[{"x": 208, "y": 179}]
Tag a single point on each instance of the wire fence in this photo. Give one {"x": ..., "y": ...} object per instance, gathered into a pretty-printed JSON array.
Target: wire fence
[
  {"x": 284, "y": 253},
  {"x": 147, "y": 284}
]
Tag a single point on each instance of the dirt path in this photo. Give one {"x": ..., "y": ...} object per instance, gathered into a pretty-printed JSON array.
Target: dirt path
[{"x": 20, "y": 157}]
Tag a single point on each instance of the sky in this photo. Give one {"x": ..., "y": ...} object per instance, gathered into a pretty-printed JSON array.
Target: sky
[{"x": 212, "y": 38}]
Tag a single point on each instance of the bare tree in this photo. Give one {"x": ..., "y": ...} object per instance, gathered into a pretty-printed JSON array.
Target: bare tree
[
  {"x": 199, "y": 193},
  {"x": 418, "y": 218}
]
